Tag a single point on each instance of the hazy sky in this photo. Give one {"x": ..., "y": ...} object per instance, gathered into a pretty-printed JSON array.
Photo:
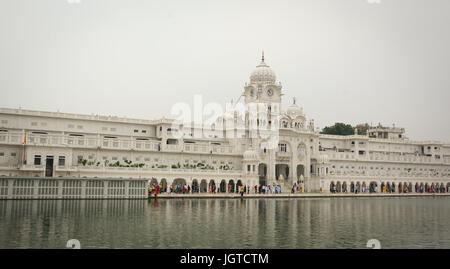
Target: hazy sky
[{"x": 345, "y": 61}]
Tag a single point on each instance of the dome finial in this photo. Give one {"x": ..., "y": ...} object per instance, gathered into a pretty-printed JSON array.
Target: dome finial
[
  {"x": 262, "y": 58},
  {"x": 293, "y": 100}
]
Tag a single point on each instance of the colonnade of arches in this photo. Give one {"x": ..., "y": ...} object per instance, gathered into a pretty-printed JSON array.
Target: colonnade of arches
[
  {"x": 282, "y": 172},
  {"x": 387, "y": 187},
  {"x": 179, "y": 185}
]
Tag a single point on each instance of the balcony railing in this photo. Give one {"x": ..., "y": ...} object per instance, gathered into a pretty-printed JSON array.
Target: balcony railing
[
  {"x": 86, "y": 168},
  {"x": 11, "y": 138},
  {"x": 16, "y": 138},
  {"x": 148, "y": 169},
  {"x": 387, "y": 158},
  {"x": 284, "y": 154}
]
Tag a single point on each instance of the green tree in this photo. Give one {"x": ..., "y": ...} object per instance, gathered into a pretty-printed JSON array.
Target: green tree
[
  {"x": 362, "y": 128},
  {"x": 339, "y": 129}
]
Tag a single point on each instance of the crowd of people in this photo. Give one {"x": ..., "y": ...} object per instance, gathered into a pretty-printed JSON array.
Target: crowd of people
[
  {"x": 256, "y": 189},
  {"x": 392, "y": 189},
  {"x": 155, "y": 189},
  {"x": 296, "y": 189}
]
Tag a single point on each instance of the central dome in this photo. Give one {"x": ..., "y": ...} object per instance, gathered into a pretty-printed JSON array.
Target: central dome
[{"x": 263, "y": 73}]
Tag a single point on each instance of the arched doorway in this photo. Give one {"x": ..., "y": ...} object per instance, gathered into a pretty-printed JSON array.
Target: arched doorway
[
  {"x": 179, "y": 181},
  {"x": 231, "y": 186},
  {"x": 427, "y": 188},
  {"x": 448, "y": 187},
  {"x": 282, "y": 171},
  {"x": 400, "y": 187},
  {"x": 373, "y": 188},
  {"x": 300, "y": 172},
  {"x": 410, "y": 187},
  {"x": 364, "y": 187},
  {"x": 262, "y": 172},
  {"x": 195, "y": 186},
  {"x": 442, "y": 188},
  {"x": 338, "y": 187},
  {"x": 203, "y": 186},
  {"x": 358, "y": 187},
  {"x": 238, "y": 184},
  {"x": 222, "y": 186},
  {"x": 153, "y": 182},
  {"x": 352, "y": 187},
  {"x": 344, "y": 187},
  {"x": 332, "y": 187},
  {"x": 164, "y": 185},
  {"x": 212, "y": 186},
  {"x": 178, "y": 185},
  {"x": 393, "y": 187}
]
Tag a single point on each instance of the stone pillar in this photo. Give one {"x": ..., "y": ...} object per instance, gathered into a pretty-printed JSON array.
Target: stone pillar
[
  {"x": 9, "y": 190},
  {"x": 35, "y": 194},
  {"x": 169, "y": 182},
  {"x": 105, "y": 188},
  {"x": 83, "y": 188},
  {"x": 271, "y": 171},
  {"x": 60, "y": 188},
  {"x": 217, "y": 182},
  {"x": 189, "y": 181},
  {"x": 293, "y": 170},
  {"x": 127, "y": 185},
  {"x": 307, "y": 169}
]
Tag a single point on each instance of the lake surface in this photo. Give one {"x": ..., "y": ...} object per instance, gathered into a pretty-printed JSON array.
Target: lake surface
[{"x": 397, "y": 222}]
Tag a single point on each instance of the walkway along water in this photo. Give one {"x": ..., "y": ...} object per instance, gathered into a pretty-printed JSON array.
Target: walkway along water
[{"x": 294, "y": 196}]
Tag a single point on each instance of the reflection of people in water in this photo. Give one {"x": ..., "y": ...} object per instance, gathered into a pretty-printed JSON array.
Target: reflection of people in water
[{"x": 155, "y": 203}]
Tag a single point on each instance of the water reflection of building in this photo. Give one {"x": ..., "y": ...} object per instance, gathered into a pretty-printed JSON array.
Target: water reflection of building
[{"x": 61, "y": 155}]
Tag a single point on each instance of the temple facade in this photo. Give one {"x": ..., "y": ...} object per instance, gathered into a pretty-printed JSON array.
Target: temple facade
[{"x": 61, "y": 155}]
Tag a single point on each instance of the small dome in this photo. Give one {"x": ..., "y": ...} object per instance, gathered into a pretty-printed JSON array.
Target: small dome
[
  {"x": 250, "y": 155},
  {"x": 263, "y": 73},
  {"x": 294, "y": 110}
]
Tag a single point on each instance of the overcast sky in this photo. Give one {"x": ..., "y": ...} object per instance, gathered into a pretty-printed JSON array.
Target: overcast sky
[{"x": 346, "y": 61}]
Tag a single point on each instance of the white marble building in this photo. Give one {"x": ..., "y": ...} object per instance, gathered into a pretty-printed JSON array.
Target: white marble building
[{"x": 60, "y": 155}]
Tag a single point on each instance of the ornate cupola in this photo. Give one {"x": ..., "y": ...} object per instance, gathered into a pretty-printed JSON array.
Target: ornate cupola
[
  {"x": 263, "y": 74},
  {"x": 263, "y": 87}
]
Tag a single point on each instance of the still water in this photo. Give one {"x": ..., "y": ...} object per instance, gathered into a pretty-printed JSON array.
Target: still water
[{"x": 215, "y": 223}]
